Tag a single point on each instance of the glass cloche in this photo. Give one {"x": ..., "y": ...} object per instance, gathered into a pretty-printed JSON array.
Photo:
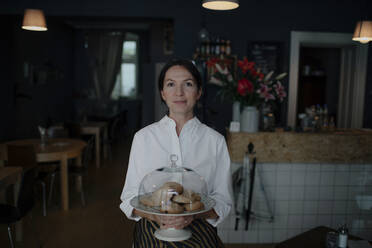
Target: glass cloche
[{"x": 173, "y": 191}]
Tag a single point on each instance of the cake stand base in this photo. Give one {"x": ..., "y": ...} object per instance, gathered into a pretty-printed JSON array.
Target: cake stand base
[{"x": 172, "y": 234}]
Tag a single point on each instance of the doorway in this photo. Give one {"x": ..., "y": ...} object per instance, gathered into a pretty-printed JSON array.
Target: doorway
[
  {"x": 351, "y": 59},
  {"x": 319, "y": 77}
]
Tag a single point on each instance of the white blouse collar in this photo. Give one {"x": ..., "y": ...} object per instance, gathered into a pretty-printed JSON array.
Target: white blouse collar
[{"x": 188, "y": 125}]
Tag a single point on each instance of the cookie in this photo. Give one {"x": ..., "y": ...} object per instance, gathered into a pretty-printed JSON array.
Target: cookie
[
  {"x": 147, "y": 201},
  {"x": 194, "y": 206},
  {"x": 187, "y": 196},
  {"x": 172, "y": 208},
  {"x": 173, "y": 186}
]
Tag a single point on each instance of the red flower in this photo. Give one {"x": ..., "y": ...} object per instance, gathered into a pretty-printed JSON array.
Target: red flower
[
  {"x": 254, "y": 73},
  {"x": 245, "y": 86},
  {"x": 245, "y": 65},
  {"x": 212, "y": 62}
]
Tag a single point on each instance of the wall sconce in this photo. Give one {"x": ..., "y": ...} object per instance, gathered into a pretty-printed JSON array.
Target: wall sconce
[
  {"x": 34, "y": 20},
  {"x": 220, "y": 4}
]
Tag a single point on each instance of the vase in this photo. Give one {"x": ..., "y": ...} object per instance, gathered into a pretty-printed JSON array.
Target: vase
[
  {"x": 249, "y": 119},
  {"x": 236, "y": 111}
]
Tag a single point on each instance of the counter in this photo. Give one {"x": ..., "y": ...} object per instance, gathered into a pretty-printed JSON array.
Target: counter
[
  {"x": 343, "y": 146},
  {"x": 309, "y": 179}
]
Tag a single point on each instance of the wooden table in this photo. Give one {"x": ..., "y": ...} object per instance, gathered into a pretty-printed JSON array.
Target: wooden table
[
  {"x": 60, "y": 150},
  {"x": 9, "y": 176},
  {"x": 95, "y": 128},
  {"x": 314, "y": 238}
]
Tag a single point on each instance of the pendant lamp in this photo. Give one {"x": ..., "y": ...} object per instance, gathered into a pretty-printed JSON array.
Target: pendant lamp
[
  {"x": 363, "y": 32},
  {"x": 34, "y": 20},
  {"x": 220, "y": 4}
]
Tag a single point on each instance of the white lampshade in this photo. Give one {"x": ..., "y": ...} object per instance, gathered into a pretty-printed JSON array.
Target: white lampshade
[
  {"x": 363, "y": 32},
  {"x": 34, "y": 20},
  {"x": 220, "y": 4}
]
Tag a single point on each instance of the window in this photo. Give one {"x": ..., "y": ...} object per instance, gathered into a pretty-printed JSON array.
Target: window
[{"x": 127, "y": 79}]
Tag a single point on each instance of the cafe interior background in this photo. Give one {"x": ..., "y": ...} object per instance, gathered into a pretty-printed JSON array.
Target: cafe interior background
[{"x": 51, "y": 77}]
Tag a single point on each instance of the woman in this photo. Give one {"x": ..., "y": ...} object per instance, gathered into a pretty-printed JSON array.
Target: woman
[{"x": 197, "y": 147}]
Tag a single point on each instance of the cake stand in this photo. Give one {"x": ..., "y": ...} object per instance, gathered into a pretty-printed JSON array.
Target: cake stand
[{"x": 172, "y": 234}]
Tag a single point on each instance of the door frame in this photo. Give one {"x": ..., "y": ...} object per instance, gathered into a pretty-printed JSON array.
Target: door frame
[{"x": 323, "y": 39}]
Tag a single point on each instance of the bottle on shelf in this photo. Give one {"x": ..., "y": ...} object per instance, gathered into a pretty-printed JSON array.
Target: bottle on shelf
[
  {"x": 196, "y": 54},
  {"x": 325, "y": 118},
  {"x": 320, "y": 116},
  {"x": 212, "y": 47},
  {"x": 228, "y": 47},
  {"x": 202, "y": 49},
  {"x": 217, "y": 48},
  {"x": 332, "y": 125},
  {"x": 222, "y": 47},
  {"x": 207, "y": 48}
]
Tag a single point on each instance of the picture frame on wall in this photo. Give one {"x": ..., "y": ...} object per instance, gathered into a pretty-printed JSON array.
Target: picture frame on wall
[{"x": 266, "y": 54}]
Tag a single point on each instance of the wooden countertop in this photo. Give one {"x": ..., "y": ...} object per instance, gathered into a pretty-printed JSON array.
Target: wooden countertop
[{"x": 341, "y": 146}]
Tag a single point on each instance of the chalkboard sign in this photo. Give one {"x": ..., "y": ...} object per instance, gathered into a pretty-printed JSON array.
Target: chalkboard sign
[{"x": 266, "y": 55}]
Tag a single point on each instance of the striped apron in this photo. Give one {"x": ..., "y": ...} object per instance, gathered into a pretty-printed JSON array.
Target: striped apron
[{"x": 203, "y": 235}]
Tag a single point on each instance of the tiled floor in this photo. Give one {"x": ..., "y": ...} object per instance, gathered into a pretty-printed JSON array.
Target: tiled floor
[{"x": 99, "y": 224}]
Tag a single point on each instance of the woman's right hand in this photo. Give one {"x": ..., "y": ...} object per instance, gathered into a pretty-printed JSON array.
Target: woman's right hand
[
  {"x": 158, "y": 219},
  {"x": 167, "y": 221},
  {"x": 177, "y": 222}
]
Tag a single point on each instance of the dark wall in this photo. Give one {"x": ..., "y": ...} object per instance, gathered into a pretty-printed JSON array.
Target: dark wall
[
  {"x": 36, "y": 78},
  {"x": 368, "y": 96},
  {"x": 264, "y": 20},
  {"x": 7, "y": 91}
]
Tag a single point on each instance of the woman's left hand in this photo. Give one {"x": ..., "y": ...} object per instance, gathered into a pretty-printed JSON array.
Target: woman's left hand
[{"x": 176, "y": 222}]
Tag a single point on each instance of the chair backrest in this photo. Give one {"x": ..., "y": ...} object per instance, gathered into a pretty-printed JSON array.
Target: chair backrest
[
  {"x": 114, "y": 128},
  {"x": 88, "y": 152},
  {"x": 26, "y": 193},
  {"x": 21, "y": 155}
]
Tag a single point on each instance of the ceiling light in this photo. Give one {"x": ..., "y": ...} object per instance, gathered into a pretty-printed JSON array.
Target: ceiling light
[
  {"x": 220, "y": 4},
  {"x": 34, "y": 20},
  {"x": 363, "y": 32}
]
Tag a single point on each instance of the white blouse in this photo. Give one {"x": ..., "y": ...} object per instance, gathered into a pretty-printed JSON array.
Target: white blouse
[{"x": 198, "y": 147}]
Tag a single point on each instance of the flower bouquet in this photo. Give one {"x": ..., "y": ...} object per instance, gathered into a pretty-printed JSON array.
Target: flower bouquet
[{"x": 249, "y": 86}]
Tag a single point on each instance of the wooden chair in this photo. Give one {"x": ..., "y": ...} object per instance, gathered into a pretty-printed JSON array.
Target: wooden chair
[
  {"x": 10, "y": 214},
  {"x": 78, "y": 171},
  {"x": 25, "y": 157},
  {"x": 114, "y": 130},
  {"x": 21, "y": 155}
]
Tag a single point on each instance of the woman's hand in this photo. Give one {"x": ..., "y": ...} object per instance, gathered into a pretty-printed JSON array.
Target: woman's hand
[
  {"x": 166, "y": 221},
  {"x": 174, "y": 221}
]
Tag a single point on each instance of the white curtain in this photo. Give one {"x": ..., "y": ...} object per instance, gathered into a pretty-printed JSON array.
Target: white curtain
[
  {"x": 105, "y": 49},
  {"x": 352, "y": 86}
]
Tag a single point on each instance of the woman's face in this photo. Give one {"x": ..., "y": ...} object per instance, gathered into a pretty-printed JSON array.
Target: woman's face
[{"x": 180, "y": 91}]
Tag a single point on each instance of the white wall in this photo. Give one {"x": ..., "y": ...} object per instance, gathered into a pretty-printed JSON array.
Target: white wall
[{"x": 305, "y": 196}]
